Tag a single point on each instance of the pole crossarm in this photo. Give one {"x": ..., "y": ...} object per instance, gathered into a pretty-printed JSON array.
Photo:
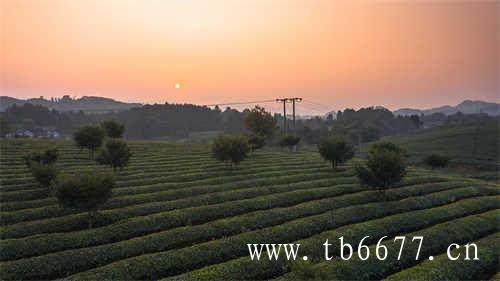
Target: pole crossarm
[{"x": 293, "y": 101}]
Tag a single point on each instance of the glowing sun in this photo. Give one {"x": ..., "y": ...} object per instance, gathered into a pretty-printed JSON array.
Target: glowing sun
[{"x": 177, "y": 85}]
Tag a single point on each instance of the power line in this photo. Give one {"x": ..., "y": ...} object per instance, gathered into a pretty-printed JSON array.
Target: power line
[
  {"x": 239, "y": 103},
  {"x": 317, "y": 104}
]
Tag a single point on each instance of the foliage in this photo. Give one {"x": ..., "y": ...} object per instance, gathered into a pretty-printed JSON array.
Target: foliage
[
  {"x": 113, "y": 129},
  {"x": 115, "y": 153},
  {"x": 49, "y": 156},
  {"x": 388, "y": 146},
  {"x": 260, "y": 122},
  {"x": 460, "y": 269},
  {"x": 230, "y": 148},
  {"x": 336, "y": 150},
  {"x": 256, "y": 141},
  {"x": 438, "y": 238},
  {"x": 178, "y": 120},
  {"x": 85, "y": 191},
  {"x": 181, "y": 259},
  {"x": 456, "y": 141},
  {"x": 436, "y": 160},
  {"x": 44, "y": 174},
  {"x": 304, "y": 270},
  {"x": 384, "y": 167},
  {"x": 5, "y": 127},
  {"x": 187, "y": 218},
  {"x": 90, "y": 137},
  {"x": 376, "y": 224},
  {"x": 289, "y": 141}
]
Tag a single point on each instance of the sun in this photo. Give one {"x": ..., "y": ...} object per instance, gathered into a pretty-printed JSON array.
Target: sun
[{"x": 177, "y": 85}]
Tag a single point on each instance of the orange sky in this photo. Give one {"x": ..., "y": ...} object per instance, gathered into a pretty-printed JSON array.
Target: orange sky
[{"x": 338, "y": 54}]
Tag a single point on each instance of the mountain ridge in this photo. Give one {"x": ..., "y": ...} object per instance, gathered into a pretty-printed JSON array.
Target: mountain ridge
[
  {"x": 466, "y": 107},
  {"x": 66, "y": 103}
]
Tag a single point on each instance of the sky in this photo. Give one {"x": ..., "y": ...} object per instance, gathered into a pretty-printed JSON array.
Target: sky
[{"x": 334, "y": 54}]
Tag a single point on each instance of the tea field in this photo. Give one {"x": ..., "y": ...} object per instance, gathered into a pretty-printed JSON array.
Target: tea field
[{"x": 177, "y": 214}]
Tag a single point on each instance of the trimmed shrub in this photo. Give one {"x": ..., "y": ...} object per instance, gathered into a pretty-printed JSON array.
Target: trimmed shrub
[
  {"x": 231, "y": 149},
  {"x": 89, "y": 137},
  {"x": 384, "y": 167},
  {"x": 256, "y": 141},
  {"x": 391, "y": 225},
  {"x": 49, "y": 156},
  {"x": 115, "y": 153},
  {"x": 437, "y": 239},
  {"x": 184, "y": 259},
  {"x": 436, "y": 160},
  {"x": 44, "y": 174},
  {"x": 335, "y": 150},
  {"x": 85, "y": 191},
  {"x": 289, "y": 141},
  {"x": 446, "y": 269}
]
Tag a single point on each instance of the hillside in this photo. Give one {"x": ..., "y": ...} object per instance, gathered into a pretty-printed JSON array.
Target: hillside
[
  {"x": 176, "y": 213},
  {"x": 479, "y": 161},
  {"x": 89, "y": 104},
  {"x": 466, "y": 107}
]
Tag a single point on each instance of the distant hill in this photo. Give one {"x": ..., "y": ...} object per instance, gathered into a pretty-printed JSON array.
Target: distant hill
[
  {"x": 466, "y": 107},
  {"x": 88, "y": 104}
]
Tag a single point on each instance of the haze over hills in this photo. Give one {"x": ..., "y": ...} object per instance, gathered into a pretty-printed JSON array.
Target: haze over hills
[
  {"x": 466, "y": 107},
  {"x": 66, "y": 103},
  {"x": 94, "y": 104}
]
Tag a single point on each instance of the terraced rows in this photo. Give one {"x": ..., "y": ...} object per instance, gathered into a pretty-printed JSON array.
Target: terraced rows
[{"x": 178, "y": 214}]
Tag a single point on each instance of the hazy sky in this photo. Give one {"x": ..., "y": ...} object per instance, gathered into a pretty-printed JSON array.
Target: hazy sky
[{"x": 336, "y": 54}]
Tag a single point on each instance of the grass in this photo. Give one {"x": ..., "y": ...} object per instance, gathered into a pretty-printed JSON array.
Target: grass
[
  {"x": 176, "y": 213},
  {"x": 473, "y": 149}
]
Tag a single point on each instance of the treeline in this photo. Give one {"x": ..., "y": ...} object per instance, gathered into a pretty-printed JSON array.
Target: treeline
[{"x": 179, "y": 121}]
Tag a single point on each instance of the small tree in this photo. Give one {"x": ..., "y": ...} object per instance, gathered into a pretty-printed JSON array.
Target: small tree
[
  {"x": 260, "y": 122},
  {"x": 113, "y": 129},
  {"x": 231, "y": 149},
  {"x": 335, "y": 150},
  {"x": 289, "y": 141},
  {"x": 256, "y": 141},
  {"x": 436, "y": 160},
  {"x": 49, "y": 156},
  {"x": 44, "y": 174},
  {"x": 90, "y": 137},
  {"x": 115, "y": 153},
  {"x": 85, "y": 191},
  {"x": 384, "y": 167}
]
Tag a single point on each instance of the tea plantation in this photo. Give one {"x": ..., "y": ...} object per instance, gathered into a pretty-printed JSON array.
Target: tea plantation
[{"x": 178, "y": 214}]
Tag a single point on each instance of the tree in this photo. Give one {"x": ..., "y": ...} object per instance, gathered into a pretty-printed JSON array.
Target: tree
[
  {"x": 113, "y": 129},
  {"x": 90, "y": 137},
  {"x": 256, "y": 141},
  {"x": 260, "y": 122},
  {"x": 384, "y": 167},
  {"x": 49, "y": 156},
  {"x": 44, "y": 174},
  {"x": 86, "y": 191},
  {"x": 5, "y": 127},
  {"x": 336, "y": 150},
  {"x": 115, "y": 153},
  {"x": 289, "y": 141},
  {"x": 436, "y": 160},
  {"x": 230, "y": 148}
]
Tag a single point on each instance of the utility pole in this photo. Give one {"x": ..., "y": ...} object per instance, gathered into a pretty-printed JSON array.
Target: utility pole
[
  {"x": 284, "y": 101},
  {"x": 284, "y": 113},
  {"x": 293, "y": 106}
]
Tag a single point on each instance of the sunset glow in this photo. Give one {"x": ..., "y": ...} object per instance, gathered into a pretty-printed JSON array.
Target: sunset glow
[{"x": 337, "y": 53}]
